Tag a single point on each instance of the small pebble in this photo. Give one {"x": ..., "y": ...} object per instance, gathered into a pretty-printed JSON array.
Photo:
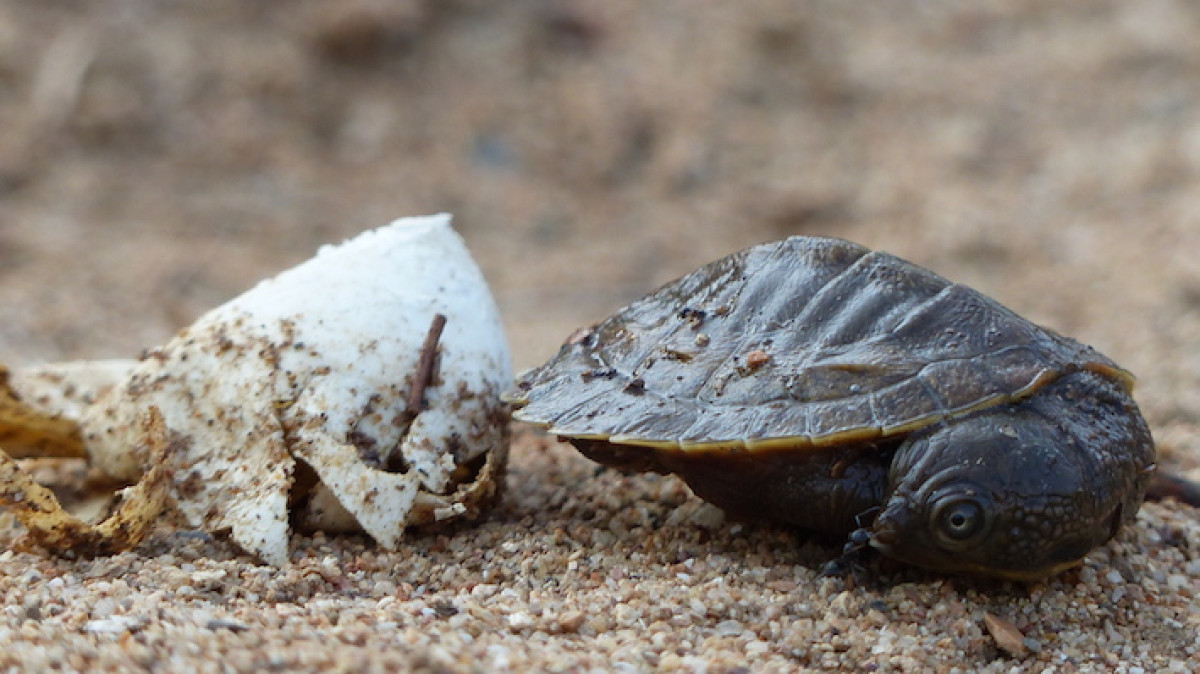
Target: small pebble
[
  {"x": 571, "y": 621},
  {"x": 1008, "y": 638}
]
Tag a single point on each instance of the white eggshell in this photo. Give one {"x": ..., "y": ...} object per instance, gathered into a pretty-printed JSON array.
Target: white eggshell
[
  {"x": 316, "y": 364},
  {"x": 68, "y": 389}
]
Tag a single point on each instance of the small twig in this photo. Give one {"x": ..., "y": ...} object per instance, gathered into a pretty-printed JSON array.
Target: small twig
[{"x": 424, "y": 375}]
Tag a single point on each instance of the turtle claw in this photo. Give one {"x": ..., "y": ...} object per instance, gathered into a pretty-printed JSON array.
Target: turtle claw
[{"x": 851, "y": 559}]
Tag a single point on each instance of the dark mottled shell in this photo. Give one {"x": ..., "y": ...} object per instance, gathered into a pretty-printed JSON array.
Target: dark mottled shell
[{"x": 807, "y": 342}]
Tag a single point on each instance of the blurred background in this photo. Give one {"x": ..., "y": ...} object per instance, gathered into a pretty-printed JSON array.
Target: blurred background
[{"x": 157, "y": 158}]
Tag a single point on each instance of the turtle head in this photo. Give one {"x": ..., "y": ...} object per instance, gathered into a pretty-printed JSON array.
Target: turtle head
[{"x": 1006, "y": 492}]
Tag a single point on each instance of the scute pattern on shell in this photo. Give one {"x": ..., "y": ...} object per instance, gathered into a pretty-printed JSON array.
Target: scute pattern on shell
[{"x": 804, "y": 341}]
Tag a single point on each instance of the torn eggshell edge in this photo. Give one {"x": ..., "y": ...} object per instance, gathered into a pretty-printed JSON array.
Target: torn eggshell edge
[{"x": 316, "y": 364}]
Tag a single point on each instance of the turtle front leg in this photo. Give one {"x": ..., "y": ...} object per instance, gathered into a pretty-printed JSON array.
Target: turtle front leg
[{"x": 856, "y": 548}]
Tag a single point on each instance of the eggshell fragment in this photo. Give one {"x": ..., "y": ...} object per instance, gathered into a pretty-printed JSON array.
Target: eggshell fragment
[
  {"x": 317, "y": 364},
  {"x": 52, "y": 527},
  {"x": 40, "y": 407}
]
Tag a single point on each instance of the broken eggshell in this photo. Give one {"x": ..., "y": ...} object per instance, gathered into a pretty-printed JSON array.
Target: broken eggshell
[{"x": 305, "y": 380}]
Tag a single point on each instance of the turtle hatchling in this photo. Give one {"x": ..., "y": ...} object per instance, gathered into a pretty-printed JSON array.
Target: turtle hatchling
[{"x": 815, "y": 382}]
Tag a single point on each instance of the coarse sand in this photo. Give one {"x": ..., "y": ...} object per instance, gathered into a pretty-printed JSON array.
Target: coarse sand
[{"x": 157, "y": 158}]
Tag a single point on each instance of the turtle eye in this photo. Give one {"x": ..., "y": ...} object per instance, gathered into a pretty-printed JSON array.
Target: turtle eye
[{"x": 958, "y": 522}]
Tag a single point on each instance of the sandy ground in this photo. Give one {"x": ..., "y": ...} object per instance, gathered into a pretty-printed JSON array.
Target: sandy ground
[{"x": 156, "y": 158}]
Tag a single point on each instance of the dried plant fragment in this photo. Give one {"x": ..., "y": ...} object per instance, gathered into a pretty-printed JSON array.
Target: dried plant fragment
[{"x": 53, "y": 528}]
